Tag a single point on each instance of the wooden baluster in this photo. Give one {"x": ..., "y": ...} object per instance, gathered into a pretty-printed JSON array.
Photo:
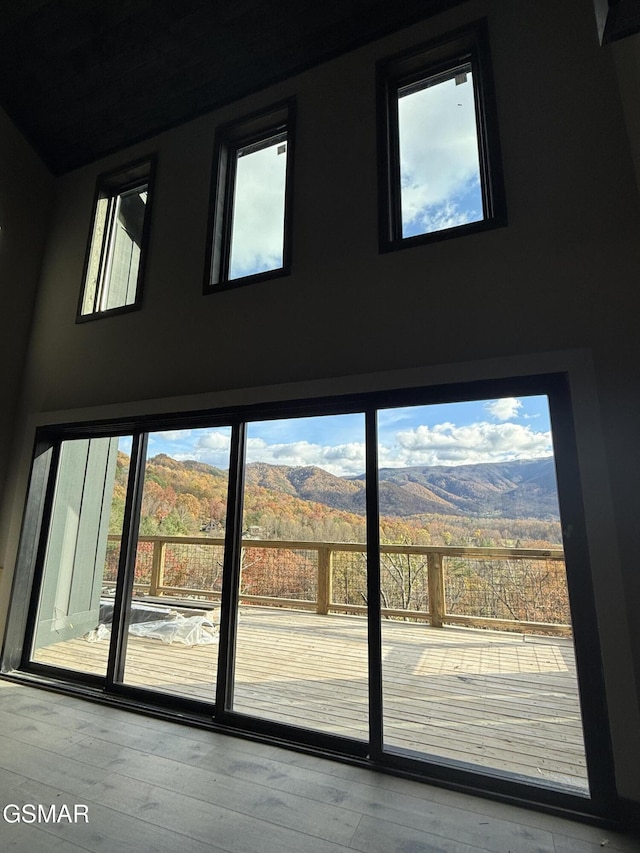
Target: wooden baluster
[
  {"x": 157, "y": 568},
  {"x": 437, "y": 603},
  {"x": 325, "y": 580}
]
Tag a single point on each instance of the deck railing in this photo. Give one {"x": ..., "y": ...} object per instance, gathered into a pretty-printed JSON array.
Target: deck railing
[{"x": 423, "y": 582}]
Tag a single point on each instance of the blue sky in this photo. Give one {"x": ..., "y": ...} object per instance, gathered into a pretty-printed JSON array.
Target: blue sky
[
  {"x": 258, "y": 211},
  {"x": 439, "y": 165},
  {"x": 447, "y": 434}
]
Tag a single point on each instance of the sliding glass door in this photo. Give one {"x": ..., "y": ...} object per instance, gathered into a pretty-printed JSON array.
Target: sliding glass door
[
  {"x": 477, "y": 647},
  {"x": 173, "y": 606},
  {"x": 383, "y": 576},
  {"x": 301, "y": 635}
]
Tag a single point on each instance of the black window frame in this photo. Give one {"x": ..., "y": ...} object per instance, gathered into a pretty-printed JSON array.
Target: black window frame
[
  {"x": 257, "y": 129},
  {"x": 438, "y": 58},
  {"x": 110, "y": 185}
]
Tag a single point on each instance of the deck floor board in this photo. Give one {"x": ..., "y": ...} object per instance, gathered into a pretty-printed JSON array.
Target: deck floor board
[{"x": 507, "y": 702}]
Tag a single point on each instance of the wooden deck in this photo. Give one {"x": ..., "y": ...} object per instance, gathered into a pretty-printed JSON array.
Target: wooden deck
[{"x": 506, "y": 702}]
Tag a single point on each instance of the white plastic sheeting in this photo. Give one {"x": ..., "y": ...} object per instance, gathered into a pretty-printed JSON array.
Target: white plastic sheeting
[
  {"x": 189, "y": 630},
  {"x": 172, "y": 627}
]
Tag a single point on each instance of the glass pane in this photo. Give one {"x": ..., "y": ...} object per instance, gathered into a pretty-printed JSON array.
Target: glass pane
[
  {"x": 478, "y": 658},
  {"x": 257, "y": 231},
  {"x": 83, "y": 550},
  {"x": 439, "y": 166},
  {"x": 89, "y": 300},
  {"x": 114, "y": 257},
  {"x": 121, "y": 273},
  {"x": 301, "y": 651},
  {"x": 174, "y": 615}
]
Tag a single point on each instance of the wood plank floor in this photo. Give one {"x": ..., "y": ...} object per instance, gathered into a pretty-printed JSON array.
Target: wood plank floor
[
  {"x": 152, "y": 786},
  {"x": 504, "y": 702}
]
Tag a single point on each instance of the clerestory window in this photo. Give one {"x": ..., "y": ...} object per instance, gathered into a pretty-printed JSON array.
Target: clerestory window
[
  {"x": 249, "y": 236},
  {"x": 114, "y": 266},
  {"x": 439, "y": 152}
]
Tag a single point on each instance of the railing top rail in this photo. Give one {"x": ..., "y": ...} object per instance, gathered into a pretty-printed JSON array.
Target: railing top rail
[{"x": 477, "y": 551}]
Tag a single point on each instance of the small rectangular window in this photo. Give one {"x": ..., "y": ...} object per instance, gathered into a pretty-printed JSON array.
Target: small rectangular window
[
  {"x": 440, "y": 163},
  {"x": 115, "y": 258},
  {"x": 251, "y": 191}
]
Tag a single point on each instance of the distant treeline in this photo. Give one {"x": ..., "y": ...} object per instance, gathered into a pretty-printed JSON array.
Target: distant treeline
[{"x": 189, "y": 498}]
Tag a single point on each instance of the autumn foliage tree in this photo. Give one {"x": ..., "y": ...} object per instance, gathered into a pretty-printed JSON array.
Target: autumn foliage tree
[{"x": 190, "y": 499}]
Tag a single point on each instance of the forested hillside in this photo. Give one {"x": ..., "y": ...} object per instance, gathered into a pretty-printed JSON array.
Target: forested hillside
[{"x": 491, "y": 504}]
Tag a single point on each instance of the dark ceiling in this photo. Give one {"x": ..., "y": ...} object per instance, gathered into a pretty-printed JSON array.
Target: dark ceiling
[{"x": 83, "y": 78}]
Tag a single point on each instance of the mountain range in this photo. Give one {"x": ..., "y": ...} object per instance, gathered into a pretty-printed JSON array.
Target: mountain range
[{"x": 520, "y": 489}]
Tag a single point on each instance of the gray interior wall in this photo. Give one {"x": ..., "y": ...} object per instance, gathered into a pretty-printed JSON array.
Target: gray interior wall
[
  {"x": 562, "y": 277},
  {"x": 26, "y": 191},
  {"x": 626, "y": 54}
]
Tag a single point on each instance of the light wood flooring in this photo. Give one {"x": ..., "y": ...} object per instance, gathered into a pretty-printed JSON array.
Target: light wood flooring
[
  {"x": 506, "y": 702},
  {"x": 152, "y": 786}
]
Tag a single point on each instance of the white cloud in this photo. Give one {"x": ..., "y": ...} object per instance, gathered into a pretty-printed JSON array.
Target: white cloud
[
  {"x": 442, "y": 444},
  {"x": 212, "y": 448},
  {"x": 505, "y": 409},
  {"x": 258, "y": 216},
  {"x": 429, "y": 218},
  {"x": 175, "y": 434},
  {"x": 439, "y": 158},
  {"x": 341, "y": 459},
  {"x": 214, "y": 440},
  {"x": 448, "y": 444}
]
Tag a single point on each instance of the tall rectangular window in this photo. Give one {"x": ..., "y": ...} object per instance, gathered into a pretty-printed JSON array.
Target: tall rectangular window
[
  {"x": 249, "y": 235},
  {"x": 438, "y": 146},
  {"x": 115, "y": 258},
  {"x": 439, "y": 155}
]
